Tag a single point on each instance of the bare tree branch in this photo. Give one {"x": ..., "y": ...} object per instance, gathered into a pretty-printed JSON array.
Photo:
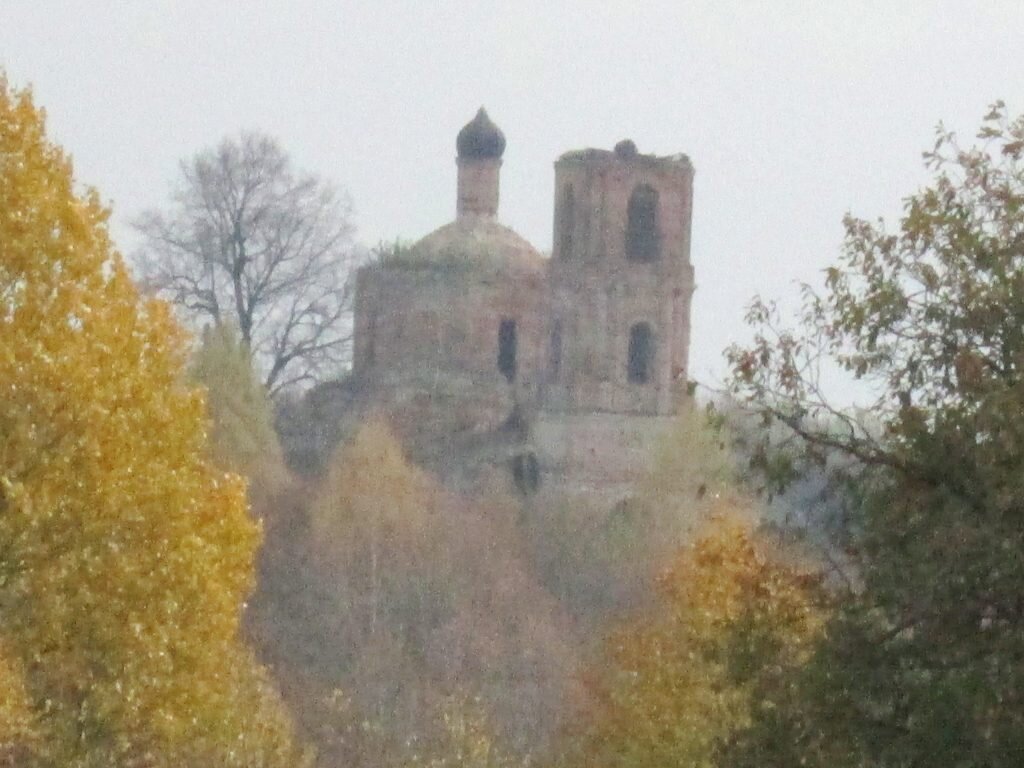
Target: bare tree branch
[{"x": 248, "y": 238}]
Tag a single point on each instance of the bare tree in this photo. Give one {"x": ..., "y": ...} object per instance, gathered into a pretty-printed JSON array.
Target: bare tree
[{"x": 250, "y": 240}]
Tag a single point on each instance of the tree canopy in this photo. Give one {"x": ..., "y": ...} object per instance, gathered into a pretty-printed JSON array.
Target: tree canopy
[
  {"x": 242, "y": 437},
  {"x": 125, "y": 555},
  {"x": 251, "y": 241},
  {"x": 926, "y": 656},
  {"x": 677, "y": 681}
]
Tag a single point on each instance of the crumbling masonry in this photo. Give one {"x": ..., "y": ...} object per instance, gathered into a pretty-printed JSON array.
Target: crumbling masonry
[{"x": 496, "y": 363}]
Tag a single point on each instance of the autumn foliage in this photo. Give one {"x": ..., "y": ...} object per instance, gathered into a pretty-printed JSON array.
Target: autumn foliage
[
  {"x": 126, "y": 554},
  {"x": 403, "y": 595},
  {"x": 675, "y": 683},
  {"x": 923, "y": 663},
  {"x": 405, "y": 622},
  {"x": 241, "y": 436}
]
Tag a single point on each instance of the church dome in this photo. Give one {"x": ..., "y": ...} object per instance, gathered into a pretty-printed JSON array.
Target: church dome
[
  {"x": 481, "y": 242},
  {"x": 480, "y": 138}
]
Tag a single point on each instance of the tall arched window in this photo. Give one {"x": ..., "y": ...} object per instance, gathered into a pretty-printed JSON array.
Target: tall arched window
[
  {"x": 642, "y": 239},
  {"x": 507, "y": 349},
  {"x": 640, "y": 360},
  {"x": 566, "y": 222}
]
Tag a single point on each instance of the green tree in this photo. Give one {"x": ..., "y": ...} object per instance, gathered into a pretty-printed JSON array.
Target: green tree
[
  {"x": 693, "y": 471},
  {"x": 926, "y": 658},
  {"x": 680, "y": 679},
  {"x": 242, "y": 437},
  {"x": 124, "y": 554}
]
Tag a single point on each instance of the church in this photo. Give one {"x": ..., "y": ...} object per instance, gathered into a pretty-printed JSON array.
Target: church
[{"x": 495, "y": 363}]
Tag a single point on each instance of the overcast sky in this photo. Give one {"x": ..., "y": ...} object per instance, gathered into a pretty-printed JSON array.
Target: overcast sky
[{"x": 792, "y": 115}]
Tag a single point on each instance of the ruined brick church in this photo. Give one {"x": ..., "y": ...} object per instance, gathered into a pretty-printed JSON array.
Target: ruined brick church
[{"x": 495, "y": 363}]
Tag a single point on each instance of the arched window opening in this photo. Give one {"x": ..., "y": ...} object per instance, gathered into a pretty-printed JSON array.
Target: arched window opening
[
  {"x": 641, "y": 353},
  {"x": 526, "y": 473},
  {"x": 567, "y": 222},
  {"x": 507, "y": 349},
  {"x": 642, "y": 239},
  {"x": 555, "y": 359}
]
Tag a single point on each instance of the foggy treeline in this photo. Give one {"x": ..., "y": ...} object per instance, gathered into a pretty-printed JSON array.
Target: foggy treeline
[
  {"x": 406, "y": 622},
  {"x": 392, "y": 611},
  {"x": 198, "y": 569}
]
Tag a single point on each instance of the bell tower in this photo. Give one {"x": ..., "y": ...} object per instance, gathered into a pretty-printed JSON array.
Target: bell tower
[{"x": 621, "y": 282}]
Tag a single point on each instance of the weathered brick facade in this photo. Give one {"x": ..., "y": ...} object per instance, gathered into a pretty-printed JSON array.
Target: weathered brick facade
[{"x": 488, "y": 356}]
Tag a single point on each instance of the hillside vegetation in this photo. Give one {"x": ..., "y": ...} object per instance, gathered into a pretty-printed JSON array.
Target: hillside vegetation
[{"x": 792, "y": 583}]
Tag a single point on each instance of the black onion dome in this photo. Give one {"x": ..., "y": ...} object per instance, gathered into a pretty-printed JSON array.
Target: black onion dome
[
  {"x": 480, "y": 138},
  {"x": 626, "y": 149}
]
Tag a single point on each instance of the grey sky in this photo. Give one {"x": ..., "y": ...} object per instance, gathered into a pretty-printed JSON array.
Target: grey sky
[{"x": 791, "y": 114}]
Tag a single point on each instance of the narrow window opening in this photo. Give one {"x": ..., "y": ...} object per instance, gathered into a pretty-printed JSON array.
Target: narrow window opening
[
  {"x": 507, "y": 349},
  {"x": 526, "y": 473},
  {"x": 642, "y": 239},
  {"x": 555, "y": 360},
  {"x": 567, "y": 222},
  {"x": 641, "y": 353}
]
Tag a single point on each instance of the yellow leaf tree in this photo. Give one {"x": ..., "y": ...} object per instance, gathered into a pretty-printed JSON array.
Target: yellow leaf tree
[
  {"x": 423, "y": 594},
  {"x": 674, "y": 685},
  {"x": 242, "y": 437},
  {"x": 19, "y": 738},
  {"x": 124, "y": 554}
]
